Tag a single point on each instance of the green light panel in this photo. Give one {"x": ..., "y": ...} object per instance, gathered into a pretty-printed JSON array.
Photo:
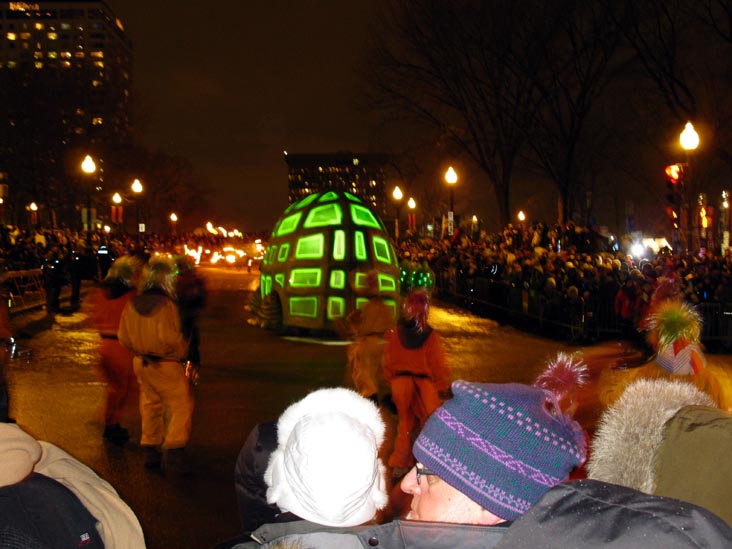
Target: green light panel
[
  {"x": 305, "y": 201},
  {"x": 360, "y": 245},
  {"x": 266, "y": 285},
  {"x": 353, "y": 198},
  {"x": 280, "y": 279},
  {"x": 289, "y": 224},
  {"x": 284, "y": 252},
  {"x": 321, "y": 216},
  {"x": 310, "y": 247},
  {"x": 381, "y": 249},
  {"x": 361, "y": 215},
  {"x": 305, "y": 278},
  {"x": 336, "y": 307},
  {"x": 330, "y": 195},
  {"x": 338, "y": 279},
  {"x": 359, "y": 281},
  {"x": 339, "y": 245},
  {"x": 391, "y": 303},
  {"x": 361, "y": 302},
  {"x": 387, "y": 283},
  {"x": 269, "y": 254},
  {"x": 304, "y": 306}
]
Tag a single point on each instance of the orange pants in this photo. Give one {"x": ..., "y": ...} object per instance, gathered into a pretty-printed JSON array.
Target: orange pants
[
  {"x": 415, "y": 399},
  {"x": 164, "y": 393},
  {"x": 116, "y": 369}
]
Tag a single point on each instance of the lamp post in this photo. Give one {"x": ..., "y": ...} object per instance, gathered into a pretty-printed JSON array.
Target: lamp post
[
  {"x": 451, "y": 178},
  {"x": 173, "y": 221},
  {"x": 89, "y": 167},
  {"x": 117, "y": 210},
  {"x": 689, "y": 141},
  {"x": 412, "y": 215},
  {"x": 137, "y": 189},
  {"x": 398, "y": 195},
  {"x": 33, "y": 210}
]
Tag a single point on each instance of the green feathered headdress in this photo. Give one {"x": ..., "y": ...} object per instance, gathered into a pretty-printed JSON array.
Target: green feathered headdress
[{"x": 674, "y": 320}]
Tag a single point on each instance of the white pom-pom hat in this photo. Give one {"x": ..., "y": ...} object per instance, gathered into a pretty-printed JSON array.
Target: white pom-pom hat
[{"x": 326, "y": 468}]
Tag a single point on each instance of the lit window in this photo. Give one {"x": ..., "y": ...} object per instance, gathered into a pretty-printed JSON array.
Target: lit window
[
  {"x": 65, "y": 26},
  {"x": 337, "y": 279},
  {"x": 328, "y": 214},
  {"x": 38, "y": 64},
  {"x": 11, "y": 64},
  {"x": 304, "y": 306},
  {"x": 97, "y": 54},
  {"x": 12, "y": 36},
  {"x": 96, "y": 83},
  {"x": 97, "y": 121},
  {"x": 310, "y": 247},
  {"x": 363, "y": 216},
  {"x": 52, "y": 55},
  {"x": 66, "y": 63},
  {"x": 381, "y": 249},
  {"x": 66, "y": 54},
  {"x": 79, "y": 131},
  {"x": 339, "y": 245},
  {"x": 25, "y": 36},
  {"x": 360, "y": 246},
  {"x": 38, "y": 55},
  {"x": 305, "y": 278},
  {"x": 336, "y": 307},
  {"x": 39, "y": 26},
  {"x": 79, "y": 55},
  {"x": 98, "y": 63}
]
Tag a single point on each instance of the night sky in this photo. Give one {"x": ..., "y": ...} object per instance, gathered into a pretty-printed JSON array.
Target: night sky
[{"x": 231, "y": 84}]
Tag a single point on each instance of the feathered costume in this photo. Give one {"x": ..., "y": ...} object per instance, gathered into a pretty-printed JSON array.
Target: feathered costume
[{"x": 673, "y": 329}]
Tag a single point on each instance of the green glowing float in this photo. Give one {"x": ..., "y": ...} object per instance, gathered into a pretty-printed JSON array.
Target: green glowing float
[{"x": 318, "y": 257}]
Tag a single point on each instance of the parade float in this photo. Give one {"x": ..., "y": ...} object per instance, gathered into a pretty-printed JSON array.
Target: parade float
[{"x": 314, "y": 272}]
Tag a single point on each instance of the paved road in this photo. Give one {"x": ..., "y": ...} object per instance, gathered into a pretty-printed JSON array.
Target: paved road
[{"x": 249, "y": 375}]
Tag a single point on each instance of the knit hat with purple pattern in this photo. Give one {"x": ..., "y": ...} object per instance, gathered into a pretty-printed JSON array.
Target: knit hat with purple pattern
[{"x": 502, "y": 445}]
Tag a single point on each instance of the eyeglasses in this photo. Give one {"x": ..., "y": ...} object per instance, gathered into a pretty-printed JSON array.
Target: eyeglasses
[{"x": 422, "y": 471}]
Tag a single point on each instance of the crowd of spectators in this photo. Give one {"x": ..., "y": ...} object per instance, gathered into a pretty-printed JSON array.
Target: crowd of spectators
[{"x": 559, "y": 263}]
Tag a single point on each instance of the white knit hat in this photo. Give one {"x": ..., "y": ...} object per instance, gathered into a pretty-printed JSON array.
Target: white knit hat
[{"x": 326, "y": 468}]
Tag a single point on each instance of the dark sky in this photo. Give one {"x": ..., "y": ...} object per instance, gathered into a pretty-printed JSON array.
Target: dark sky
[{"x": 231, "y": 84}]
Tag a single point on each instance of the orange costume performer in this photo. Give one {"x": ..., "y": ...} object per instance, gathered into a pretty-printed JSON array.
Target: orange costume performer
[
  {"x": 414, "y": 365},
  {"x": 364, "y": 354},
  {"x": 115, "y": 360}
]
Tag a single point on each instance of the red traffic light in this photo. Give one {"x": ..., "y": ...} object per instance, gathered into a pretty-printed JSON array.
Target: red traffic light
[{"x": 674, "y": 172}]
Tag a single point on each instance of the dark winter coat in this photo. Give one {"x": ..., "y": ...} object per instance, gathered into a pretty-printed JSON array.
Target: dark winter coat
[{"x": 590, "y": 513}]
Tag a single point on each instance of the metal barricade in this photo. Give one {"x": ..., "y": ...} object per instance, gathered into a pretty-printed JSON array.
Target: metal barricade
[{"x": 24, "y": 287}]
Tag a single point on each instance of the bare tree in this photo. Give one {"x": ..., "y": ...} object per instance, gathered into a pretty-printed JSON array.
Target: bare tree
[{"x": 464, "y": 70}]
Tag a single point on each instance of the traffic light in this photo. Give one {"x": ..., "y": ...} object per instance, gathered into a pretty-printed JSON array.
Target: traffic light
[
  {"x": 673, "y": 217},
  {"x": 674, "y": 175}
]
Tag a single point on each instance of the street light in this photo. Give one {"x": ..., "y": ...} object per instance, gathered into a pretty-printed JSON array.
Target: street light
[
  {"x": 137, "y": 189},
  {"x": 33, "y": 209},
  {"x": 689, "y": 141},
  {"x": 412, "y": 216},
  {"x": 117, "y": 210},
  {"x": 398, "y": 195},
  {"x": 88, "y": 167},
  {"x": 451, "y": 178},
  {"x": 174, "y": 220}
]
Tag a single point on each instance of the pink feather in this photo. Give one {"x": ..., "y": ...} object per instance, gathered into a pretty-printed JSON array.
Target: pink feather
[{"x": 563, "y": 374}]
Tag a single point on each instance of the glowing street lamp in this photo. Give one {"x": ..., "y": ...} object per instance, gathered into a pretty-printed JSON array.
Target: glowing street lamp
[
  {"x": 412, "y": 220},
  {"x": 137, "y": 189},
  {"x": 117, "y": 209},
  {"x": 33, "y": 209},
  {"x": 174, "y": 221},
  {"x": 398, "y": 195},
  {"x": 451, "y": 178},
  {"x": 689, "y": 141},
  {"x": 89, "y": 168}
]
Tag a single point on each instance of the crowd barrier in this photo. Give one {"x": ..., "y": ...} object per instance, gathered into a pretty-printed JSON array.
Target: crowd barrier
[
  {"x": 574, "y": 320},
  {"x": 22, "y": 288}
]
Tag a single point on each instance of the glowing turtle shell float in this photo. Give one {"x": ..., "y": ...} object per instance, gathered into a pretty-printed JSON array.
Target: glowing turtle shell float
[{"x": 318, "y": 258}]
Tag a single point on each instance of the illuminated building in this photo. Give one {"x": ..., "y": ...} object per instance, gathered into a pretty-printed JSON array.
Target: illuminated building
[
  {"x": 362, "y": 175},
  {"x": 65, "y": 85},
  {"x": 318, "y": 258}
]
